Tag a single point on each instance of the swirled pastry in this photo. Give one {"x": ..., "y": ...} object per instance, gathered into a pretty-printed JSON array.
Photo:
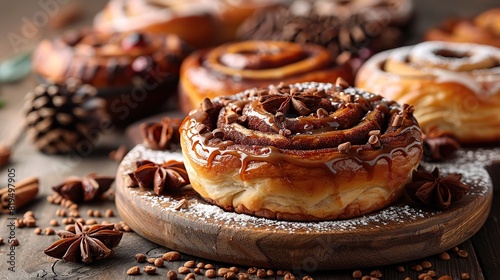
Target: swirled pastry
[
  {"x": 192, "y": 20},
  {"x": 455, "y": 87},
  {"x": 483, "y": 29},
  {"x": 234, "y": 67},
  {"x": 105, "y": 60},
  {"x": 301, "y": 152},
  {"x": 201, "y": 23},
  {"x": 130, "y": 70},
  {"x": 351, "y": 29}
]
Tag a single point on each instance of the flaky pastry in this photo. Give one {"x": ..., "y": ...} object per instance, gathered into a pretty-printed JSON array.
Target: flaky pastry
[
  {"x": 455, "y": 87},
  {"x": 307, "y": 151}
]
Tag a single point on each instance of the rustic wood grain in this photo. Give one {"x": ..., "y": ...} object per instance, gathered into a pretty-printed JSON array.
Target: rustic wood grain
[{"x": 486, "y": 242}]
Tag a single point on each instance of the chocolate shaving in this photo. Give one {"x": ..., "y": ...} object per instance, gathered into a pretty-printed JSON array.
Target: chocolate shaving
[
  {"x": 374, "y": 141},
  {"x": 322, "y": 113},
  {"x": 341, "y": 84},
  {"x": 398, "y": 121},
  {"x": 408, "y": 110},
  {"x": 231, "y": 117},
  {"x": 207, "y": 105},
  {"x": 218, "y": 133},
  {"x": 432, "y": 189},
  {"x": 344, "y": 148},
  {"x": 374, "y": 132}
]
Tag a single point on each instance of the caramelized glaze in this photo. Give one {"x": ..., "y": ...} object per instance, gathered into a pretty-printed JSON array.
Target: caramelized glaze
[{"x": 323, "y": 140}]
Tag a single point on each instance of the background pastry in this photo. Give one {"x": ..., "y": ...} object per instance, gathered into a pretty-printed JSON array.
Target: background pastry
[
  {"x": 234, "y": 67},
  {"x": 201, "y": 23},
  {"x": 301, "y": 152},
  {"x": 483, "y": 29},
  {"x": 128, "y": 69},
  {"x": 455, "y": 87},
  {"x": 191, "y": 20},
  {"x": 348, "y": 28}
]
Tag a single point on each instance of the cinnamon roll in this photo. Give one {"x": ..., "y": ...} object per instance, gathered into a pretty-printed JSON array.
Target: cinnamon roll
[
  {"x": 234, "y": 67},
  {"x": 354, "y": 28},
  {"x": 128, "y": 69},
  {"x": 302, "y": 152},
  {"x": 483, "y": 29},
  {"x": 192, "y": 20},
  {"x": 455, "y": 87},
  {"x": 201, "y": 23}
]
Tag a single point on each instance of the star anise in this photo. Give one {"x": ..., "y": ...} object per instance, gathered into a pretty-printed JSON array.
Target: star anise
[
  {"x": 160, "y": 135},
  {"x": 439, "y": 145},
  {"x": 432, "y": 189},
  {"x": 87, "y": 188},
  {"x": 168, "y": 176},
  {"x": 299, "y": 103},
  {"x": 85, "y": 245}
]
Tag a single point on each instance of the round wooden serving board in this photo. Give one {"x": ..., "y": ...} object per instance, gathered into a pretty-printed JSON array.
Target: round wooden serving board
[{"x": 399, "y": 233}]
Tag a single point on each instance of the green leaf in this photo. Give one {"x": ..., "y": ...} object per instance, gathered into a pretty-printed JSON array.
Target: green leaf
[{"x": 15, "y": 68}]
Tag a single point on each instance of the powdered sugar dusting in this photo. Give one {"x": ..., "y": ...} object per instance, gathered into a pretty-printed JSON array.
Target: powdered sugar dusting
[{"x": 468, "y": 162}]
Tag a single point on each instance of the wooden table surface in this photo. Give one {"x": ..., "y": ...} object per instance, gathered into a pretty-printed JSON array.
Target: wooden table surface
[{"x": 483, "y": 261}]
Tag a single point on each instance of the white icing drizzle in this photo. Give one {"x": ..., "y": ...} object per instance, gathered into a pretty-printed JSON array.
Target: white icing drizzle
[{"x": 425, "y": 58}]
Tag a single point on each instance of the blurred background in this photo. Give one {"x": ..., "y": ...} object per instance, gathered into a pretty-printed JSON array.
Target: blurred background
[{"x": 75, "y": 13}]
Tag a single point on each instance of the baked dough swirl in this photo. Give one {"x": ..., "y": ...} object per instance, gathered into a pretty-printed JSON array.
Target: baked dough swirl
[
  {"x": 234, "y": 67},
  {"x": 109, "y": 60},
  {"x": 455, "y": 87},
  {"x": 192, "y": 20},
  {"x": 307, "y": 151},
  {"x": 483, "y": 29}
]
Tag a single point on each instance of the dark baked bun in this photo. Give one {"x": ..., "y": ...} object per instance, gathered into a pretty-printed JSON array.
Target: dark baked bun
[
  {"x": 134, "y": 72},
  {"x": 349, "y": 28}
]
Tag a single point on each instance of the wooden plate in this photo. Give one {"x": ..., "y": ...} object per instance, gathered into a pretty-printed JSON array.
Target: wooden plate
[{"x": 399, "y": 233}]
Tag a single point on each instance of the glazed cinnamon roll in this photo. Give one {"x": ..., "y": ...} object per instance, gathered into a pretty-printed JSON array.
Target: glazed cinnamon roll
[
  {"x": 119, "y": 64},
  {"x": 455, "y": 87},
  {"x": 234, "y": 67},
  {"x": 483, "y": 29},
  {"x": 307, "y": 151}
]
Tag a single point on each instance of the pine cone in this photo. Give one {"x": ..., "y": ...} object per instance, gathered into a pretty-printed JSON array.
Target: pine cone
[{"x": 60, "y": 117}]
